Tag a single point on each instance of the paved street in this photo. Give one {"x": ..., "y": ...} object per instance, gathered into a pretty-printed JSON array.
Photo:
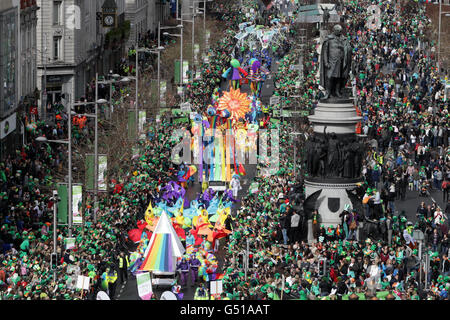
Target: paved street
[{"x": 128, "y": 290}]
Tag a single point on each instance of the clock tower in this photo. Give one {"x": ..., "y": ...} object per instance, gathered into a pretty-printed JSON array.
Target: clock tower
[{"x": 109, "y": 14}]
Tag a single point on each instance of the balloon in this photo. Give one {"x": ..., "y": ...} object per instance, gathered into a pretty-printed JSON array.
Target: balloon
[
  {"x": 198, "y": 118},
  {"x": 211, "y": 111},
  {"x": 225, "y": 114},
  {"x": 235, "y": 63}
]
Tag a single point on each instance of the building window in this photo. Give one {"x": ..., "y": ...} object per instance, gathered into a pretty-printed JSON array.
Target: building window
[
  {"x": 57, "y": 5},
  {"x": 8, "y": 60},
  {"x": 56, "y": 48}
]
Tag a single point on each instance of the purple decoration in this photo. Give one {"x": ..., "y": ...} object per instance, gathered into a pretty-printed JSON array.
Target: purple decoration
[
  {"x": 236, "y": 74},
  {"x": 256, "y": 65}
]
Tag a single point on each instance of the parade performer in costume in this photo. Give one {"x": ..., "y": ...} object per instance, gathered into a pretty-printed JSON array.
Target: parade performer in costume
[
  {"x": 235, "y": 185},
  {"x": 201, "y": 293},
  {"x": 234, "y": 74},
  {"x": 194, "y": 264},
  {"x": 256, "y": 74},
  {"x": 183, "y": 267}
]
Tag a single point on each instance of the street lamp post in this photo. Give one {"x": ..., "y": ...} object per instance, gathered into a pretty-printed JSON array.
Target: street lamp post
[
  {"x": 181, "y": 55},
  {"x": 295, "y": 134},
  {"x": 110, "y": 83},
  {"x": 95, "y": 115},
  {"x": 96, "y": 150},
  {"x": 69, "y": 169},
  {"x": 157, "y": 51},
  {"x": 55, "y": 222},
  {"x": 70, "y": 165},
  {"x": 439, "y": 35},
  {"x": 137, "y": 85}
]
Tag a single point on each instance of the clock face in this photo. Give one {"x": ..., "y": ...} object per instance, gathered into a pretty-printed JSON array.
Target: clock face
[{"x": 109, "y": 20}]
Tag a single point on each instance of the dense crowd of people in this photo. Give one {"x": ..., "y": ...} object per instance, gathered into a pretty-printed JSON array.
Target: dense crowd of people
[
  {"x": 394, "y": 81},
  {"x": 400, "y": 95}
]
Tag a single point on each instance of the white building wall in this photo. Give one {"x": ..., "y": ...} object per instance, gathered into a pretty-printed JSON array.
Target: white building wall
[
  {"x": 77, "y": 43},
  {"x": 136, "y": 12}
]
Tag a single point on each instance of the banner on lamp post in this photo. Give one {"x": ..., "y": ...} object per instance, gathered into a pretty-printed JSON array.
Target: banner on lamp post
[
  {"x": 90, "y": 169},
  {"x": 153, "y": 90},
  {"x": 162, "y": 93},
  {"x": 196, "y": 52},
  {"x": 132, "y": 124},
  {"x": 207, "y": 36},
  {"x": 177, "y": 71},
  {"x": 134, "y": 152},
  {"x": 102, "y": 167},
  {"x": 142, "y": 118},
  {"x": 185, "y": 71},
  {"x": 70, "y": 243},
  {"x": 62, "y": 205},
  {"x": 77, "y": 201}
]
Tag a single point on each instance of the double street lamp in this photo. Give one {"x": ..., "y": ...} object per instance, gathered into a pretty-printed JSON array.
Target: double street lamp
[
  {"x": 447, "y": 14},
  {"x": 69, "y": 143},
  {"x": 181, "y": 55},
  {"x": 95, "y": 116},
  {"x": 159, "y": 54},
  {"x": 295, "y": 135},
  {"x": 114, "y": 78}
]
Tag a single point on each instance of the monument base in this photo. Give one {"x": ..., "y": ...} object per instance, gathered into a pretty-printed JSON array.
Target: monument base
[{"x": 331, "y": 202}]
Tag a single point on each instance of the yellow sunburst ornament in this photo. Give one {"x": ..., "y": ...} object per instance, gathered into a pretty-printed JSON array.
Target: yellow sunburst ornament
[{"x": 236, "y": 102}]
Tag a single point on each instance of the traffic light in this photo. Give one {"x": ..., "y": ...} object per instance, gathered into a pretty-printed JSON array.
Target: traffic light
[
  {"x": 322, "y": 266},
  {"x": 250, "y": 261},
  {"x": 80, "y": 109},
  {"x": 240, "y": 261},
  {"x": 54, "y": 260}
]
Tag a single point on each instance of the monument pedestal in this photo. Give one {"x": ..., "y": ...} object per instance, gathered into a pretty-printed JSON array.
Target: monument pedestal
[
  {"x": 331, "y": 202},
  {"x": 334, "y": 122}
]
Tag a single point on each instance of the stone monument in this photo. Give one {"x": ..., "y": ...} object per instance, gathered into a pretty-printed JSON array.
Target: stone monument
[{"x": 334, "y": 153}]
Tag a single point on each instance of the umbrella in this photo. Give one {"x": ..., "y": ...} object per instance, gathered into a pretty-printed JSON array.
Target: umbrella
[
  {"x": 168, "y": 295},
  {"x": 135, "y": 235},
  {"x": 101, "y": 295}
]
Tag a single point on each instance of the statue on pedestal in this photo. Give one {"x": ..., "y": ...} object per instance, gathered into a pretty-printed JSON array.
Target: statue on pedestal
[
  {"x": 335, "y": 63},
  {"x": 326, "y": 14}
]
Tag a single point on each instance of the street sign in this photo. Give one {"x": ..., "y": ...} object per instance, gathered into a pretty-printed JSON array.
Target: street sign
[
  {"x": 418, "y": 235},
  {"x": 185, "y": 107},
  {"x": 274, "y": 100},
  {"x": 305, "y": 113}
]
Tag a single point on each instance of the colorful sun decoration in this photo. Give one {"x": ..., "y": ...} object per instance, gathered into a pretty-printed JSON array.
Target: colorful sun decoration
[{"x": 236, "y": 102}]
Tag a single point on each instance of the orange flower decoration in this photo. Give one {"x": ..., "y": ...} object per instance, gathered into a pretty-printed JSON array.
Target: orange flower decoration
[{"x": 236, "y": 102}]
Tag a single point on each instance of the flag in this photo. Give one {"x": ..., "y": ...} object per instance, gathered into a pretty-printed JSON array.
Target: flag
[
  {"x": 182, "y": 207},
  {"x": 219, "y": 276},
  {"x": 149, "y": 213}
]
